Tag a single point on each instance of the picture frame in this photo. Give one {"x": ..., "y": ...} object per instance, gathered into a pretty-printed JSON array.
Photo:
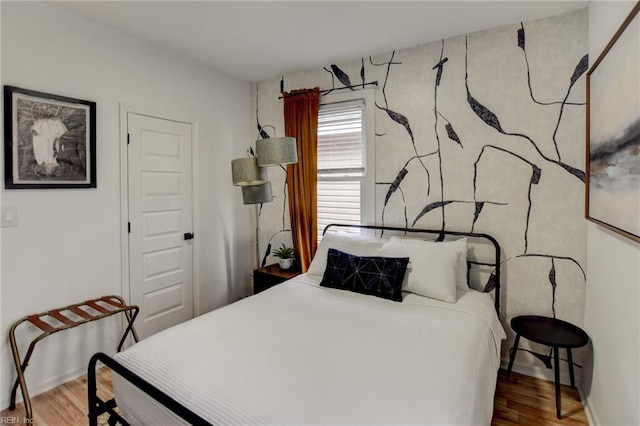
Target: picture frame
[
  {"x": 613, "y": 133},
  {"x": 50, "y": 140}
]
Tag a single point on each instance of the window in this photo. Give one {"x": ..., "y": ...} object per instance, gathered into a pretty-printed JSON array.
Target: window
[{"x": 345, "y": 160}]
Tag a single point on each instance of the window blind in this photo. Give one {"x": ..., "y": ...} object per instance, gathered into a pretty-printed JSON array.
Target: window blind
[
  {"x": 341, "y": 163},
  {"x": 341, "y": 148}
]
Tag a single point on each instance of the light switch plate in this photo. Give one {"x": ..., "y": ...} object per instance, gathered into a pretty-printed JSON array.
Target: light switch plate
[{"x": 9, "y": 216}]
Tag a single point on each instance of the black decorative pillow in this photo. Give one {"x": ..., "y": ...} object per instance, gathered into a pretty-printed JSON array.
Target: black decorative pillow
[{"x": 372, "y": 275}]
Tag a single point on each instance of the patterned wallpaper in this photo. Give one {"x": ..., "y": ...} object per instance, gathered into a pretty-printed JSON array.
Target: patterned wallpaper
[{"x": 482, "y": 132}]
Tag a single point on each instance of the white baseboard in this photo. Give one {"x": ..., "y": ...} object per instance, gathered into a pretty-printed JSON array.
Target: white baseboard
[
  {"x": 589, "y": 410},
  {"x": 46, "y": 385},
  {"x": 38, "y": 388},
  {"x": 542, "y": 372}
]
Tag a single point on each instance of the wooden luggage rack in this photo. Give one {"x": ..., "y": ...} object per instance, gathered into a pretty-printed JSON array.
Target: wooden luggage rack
[{"x": 87, "y": 311}]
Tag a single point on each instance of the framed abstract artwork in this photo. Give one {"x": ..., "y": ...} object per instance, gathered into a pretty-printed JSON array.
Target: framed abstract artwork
[
  {"x": 613, "y": 133},
  {"x": 50, "y": 140}
]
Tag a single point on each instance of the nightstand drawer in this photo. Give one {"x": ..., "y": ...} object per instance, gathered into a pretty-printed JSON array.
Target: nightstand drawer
[{"x": 269, "y": 276}]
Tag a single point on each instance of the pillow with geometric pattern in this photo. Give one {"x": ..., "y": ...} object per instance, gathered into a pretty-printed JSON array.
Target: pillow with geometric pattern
[{"x": 372, "y": 275}]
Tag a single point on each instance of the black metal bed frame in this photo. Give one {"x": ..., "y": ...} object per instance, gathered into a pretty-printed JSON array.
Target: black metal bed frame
[
  {"x": 98, "y": 407},
  {"x": 440, "y": 237}
]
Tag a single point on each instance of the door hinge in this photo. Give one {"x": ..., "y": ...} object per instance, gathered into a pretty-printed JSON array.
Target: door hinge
[
  {"x": 129, "y": 227},
  {"x": 128, "y": 138}
]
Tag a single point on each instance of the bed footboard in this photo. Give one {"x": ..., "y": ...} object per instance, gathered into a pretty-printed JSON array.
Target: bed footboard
[{"x": 98, "y": 407}]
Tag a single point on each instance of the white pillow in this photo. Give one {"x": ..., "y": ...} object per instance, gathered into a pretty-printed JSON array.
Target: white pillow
[
  {"x": 461, "y": 247},
  {"x": 359, "y": 245},
  {"x": 434, "y": 267}
]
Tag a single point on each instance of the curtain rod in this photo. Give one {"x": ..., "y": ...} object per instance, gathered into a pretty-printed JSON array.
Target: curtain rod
[{"x": 327, "y": 91}]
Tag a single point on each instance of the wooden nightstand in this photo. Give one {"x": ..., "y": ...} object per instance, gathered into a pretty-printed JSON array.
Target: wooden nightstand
[{"x": 271, "y": 275}]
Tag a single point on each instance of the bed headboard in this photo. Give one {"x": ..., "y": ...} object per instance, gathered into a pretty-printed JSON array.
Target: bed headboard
[{"x": 493, "y": 281}]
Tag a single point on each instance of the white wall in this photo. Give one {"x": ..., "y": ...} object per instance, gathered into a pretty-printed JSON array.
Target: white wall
[
  {"x": 67, "y": 246},
  {"x": 611, "y": 380}
]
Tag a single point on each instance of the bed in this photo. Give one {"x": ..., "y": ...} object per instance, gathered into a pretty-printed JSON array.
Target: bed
[{"x": 305, "y": 353}]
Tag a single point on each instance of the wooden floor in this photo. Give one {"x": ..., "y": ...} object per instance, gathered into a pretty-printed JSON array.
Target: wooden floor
[
  {"x": 65, "y": 405},
  {"x": 520, "y": 400},
  {"x": 524, "y": 400}
]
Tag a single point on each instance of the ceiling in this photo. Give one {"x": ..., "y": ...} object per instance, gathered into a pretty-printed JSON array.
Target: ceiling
[{"x": 256, "y": 40}]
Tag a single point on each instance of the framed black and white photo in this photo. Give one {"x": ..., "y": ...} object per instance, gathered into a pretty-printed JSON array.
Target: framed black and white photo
[{"x": 50, "y": 140}]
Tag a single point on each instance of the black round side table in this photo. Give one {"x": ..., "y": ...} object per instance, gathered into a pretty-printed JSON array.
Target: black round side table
[{"x": 550, "y": 332}]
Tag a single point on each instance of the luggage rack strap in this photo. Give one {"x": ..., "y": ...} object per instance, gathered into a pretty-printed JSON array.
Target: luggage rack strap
[
  {"x": 84, "y": 314},
  {"x": 57, "y": 315},
  {"x": 35, "y": 320},
  {"x": 53, "y": 321},
  {"x": 92, "y": 304}
]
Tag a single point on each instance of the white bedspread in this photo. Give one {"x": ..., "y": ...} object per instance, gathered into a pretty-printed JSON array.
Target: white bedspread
[{"x": 302, "y": 354}]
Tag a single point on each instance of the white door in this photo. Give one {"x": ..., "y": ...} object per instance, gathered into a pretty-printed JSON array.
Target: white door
[{"x": 161, "y": 223}]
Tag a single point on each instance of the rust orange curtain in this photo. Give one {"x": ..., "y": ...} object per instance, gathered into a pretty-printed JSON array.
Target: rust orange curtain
[{"x": 301, "y": 122}]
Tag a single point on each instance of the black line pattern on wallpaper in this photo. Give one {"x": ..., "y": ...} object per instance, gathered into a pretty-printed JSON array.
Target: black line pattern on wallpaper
[
  {"x": 451, "y": 133},
  {"x": 440, "y": 204},
  {"x": 546, "y": 359},
  {"x": 342, "y": 77},
  {"x": 491, "y": 282},
  {"x": 262, "y": 134},
  {"x": 522, "y": 44},
  {"x": 555, "y": 258},
  {"x": 554, "y": 285},
  {"x": 535, "y": 179},
  {"x": 284, "y": 195},
  {"x": 453, "y": 136},
  {"x": 552, "y": 272},
  {"x": 439, "y": 66},
  {"x": 399, "y": 118},
  {"x": 386, "y": 78},
  {"x": 492, "y": 120},
  {"x": 267, "y": 252},
  {"x": 395, "y": 185},
  {"x": 581, "y": 68}
]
